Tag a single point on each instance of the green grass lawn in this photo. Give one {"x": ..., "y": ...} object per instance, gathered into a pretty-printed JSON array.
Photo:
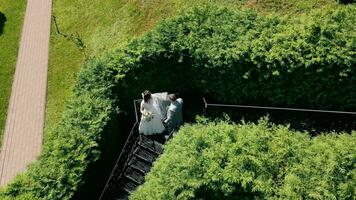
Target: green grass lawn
[
  {"x": 9, "y": 43},
  {"x": 103, "y": 25}
]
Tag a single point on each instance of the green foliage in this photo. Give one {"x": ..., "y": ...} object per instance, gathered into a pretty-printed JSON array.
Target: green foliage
[
  {"x": 222, "y": 160},
  {"x": 96, "y": 33},
  {"x": 236, "y": 56},
  {"x": 73, "y": 145},
  {"x": 242, "y": 57},
  {"x": 123, "y": 21}
]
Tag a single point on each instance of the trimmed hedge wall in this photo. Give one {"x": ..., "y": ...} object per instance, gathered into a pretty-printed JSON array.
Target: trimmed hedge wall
[
  {"x": 233, "y": 56},
  {"x": 73, "y": 145},
  {"x": 221, "y": 160},
  {"x": 242, "y": 57}
]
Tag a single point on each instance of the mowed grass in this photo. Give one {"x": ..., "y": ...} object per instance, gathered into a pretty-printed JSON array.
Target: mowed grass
[
  {"x": 288, "y": 7},
  {"x": 9, "y": 44},
  {"x": 104, "y": 25}
]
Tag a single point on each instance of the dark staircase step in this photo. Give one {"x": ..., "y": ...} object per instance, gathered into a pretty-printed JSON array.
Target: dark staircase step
[
  {"x": 150, "y": 145},
  {"x": 134, "y": 175},
  {"x": 145, "y": 154},
  {"x": 128, "y": 186},
  {"x": 139, "y": 165}
]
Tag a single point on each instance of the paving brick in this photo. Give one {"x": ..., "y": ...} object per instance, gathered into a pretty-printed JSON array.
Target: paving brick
[{"x": 25, "y": 118}]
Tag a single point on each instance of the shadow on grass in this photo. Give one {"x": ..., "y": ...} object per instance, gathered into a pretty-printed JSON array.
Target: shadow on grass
[{"x": 2, "y": 22}]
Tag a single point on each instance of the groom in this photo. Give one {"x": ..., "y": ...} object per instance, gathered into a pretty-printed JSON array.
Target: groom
[{"x": 174, "y": 113}]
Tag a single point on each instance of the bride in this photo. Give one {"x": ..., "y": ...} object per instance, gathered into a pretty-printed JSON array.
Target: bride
[{"x": 151, "y": 114}]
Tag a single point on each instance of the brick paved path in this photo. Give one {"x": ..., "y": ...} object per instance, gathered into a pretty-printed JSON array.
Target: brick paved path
[{"x": 25, "y": 119}]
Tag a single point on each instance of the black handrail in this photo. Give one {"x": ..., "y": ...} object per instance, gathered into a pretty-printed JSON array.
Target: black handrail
[
  {"x": 206, "y": 105},
  {"x": 118, "y": 160},
  {"x": 136, "y": 109}
]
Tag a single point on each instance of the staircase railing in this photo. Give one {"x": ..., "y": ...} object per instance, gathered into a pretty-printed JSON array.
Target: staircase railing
[
  {"x": 206, "y": 105},
  {"x": 318, "y": 120}
]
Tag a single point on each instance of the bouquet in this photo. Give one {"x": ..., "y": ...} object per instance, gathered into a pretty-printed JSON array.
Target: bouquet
[{"x": 147, "y": 116}]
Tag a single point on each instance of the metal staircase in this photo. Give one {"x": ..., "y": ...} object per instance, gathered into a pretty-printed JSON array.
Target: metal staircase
[
  {"x": 134, "y": 162},
  {"x": 139, "y": 152}
]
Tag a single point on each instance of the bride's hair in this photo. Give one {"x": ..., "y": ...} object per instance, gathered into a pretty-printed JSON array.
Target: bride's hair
[
  {"x": 172, "y": 97},
  {"x": 146, "y": 96}
]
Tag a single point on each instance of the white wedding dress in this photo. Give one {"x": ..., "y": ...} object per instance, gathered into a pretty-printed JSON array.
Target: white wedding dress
[{"x": 155, "y": 125}]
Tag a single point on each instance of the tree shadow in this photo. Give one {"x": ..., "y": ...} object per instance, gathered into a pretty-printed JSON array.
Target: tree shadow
[{"x": 2, "y": 22}]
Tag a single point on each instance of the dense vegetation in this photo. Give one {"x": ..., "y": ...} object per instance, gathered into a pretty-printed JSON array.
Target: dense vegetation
[
  {"x": 73, "y": 145},
  {"x": 122, "y": 21},
  {"x": 242, "y": 57},
  {"x": 11, "y": 17},
  {"x": 231, "y": 55},
  {"x": 220, "y": 160},
  {"x": 97, "y": 27}
]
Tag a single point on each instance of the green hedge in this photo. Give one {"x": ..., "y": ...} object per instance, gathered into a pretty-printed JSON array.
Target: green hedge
[
  {"x": 242, "y": 57},
  {"x": 73, "y": 145},
  {"x": 221, "y": 160},
  {"x": 232, "y": 56}
]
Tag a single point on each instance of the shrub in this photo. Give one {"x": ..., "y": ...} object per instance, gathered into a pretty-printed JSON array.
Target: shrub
[
  {"x": 222, "y": 160},
  {"x": 233, "y": 56},
  {"x": 73, "y": 145},
  {"x": 241, "y": 57}
]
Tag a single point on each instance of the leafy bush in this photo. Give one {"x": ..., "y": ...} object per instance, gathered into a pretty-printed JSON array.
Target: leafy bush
[
  {"x": 241, "y": 57},
  {"x": 235, "y": 56},
  {"x": 73, "y": 145},
  {"x": 221, "y": 160}
]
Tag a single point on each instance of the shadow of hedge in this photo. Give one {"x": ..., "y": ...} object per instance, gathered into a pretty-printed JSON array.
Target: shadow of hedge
[{"x": 3, "y": 19}]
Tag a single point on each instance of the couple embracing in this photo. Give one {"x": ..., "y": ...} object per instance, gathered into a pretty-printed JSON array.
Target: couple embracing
[{"x": 158, "y": 111}]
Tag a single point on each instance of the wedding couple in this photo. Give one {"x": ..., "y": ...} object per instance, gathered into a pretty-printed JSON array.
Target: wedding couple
[{"x": 159, "y": 110}]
